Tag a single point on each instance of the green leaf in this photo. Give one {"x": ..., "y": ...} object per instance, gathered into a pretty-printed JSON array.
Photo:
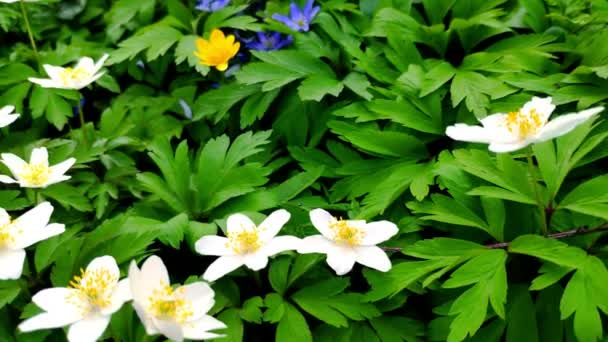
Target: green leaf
[
  {"x": 316, "y": 87},
  {"x": 278, "y": 272},
  {"x": 589, "y": 198},
  {"x": 184, "y": 51},
  {"x": 440, "y": 74},
  {"x": 9, "y": 290},
  {"x": 359, "y": 84},
  {"x": 219, "y": 177},
  {"x": 68, "y": 196},
  {"x": 550, "y": 250},
  {"x": 232, "y": 319},
  {"x": 276, "y": 308},
  {"x": 219, "y": 101},
  {"x": 397, "y": 329},
  {"x": 156, "y": 39},
  {"x": 326, "y": 301},
  {"x": 251, "y": 311},
  {"x": 293, "y": 326},
  {"x": 521, "y": 316},
  {"x": 448, "y": 210},
  {"x": 256, "y": 106},
  {"x": 388, "y": 143},
  {"x": 14, "y": 73}
]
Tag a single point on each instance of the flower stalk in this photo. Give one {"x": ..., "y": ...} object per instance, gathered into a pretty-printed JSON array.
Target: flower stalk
[
  {"x": 537, "y": 194},
  {"x": 29, "y": 32}
]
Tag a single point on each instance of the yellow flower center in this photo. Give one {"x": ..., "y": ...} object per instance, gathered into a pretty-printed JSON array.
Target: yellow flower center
[
  {"x": 67, "y": 75},
  {"x": 245, "y": 241},
  {"x": 216, "y": 51},
  {"x": 346, "y": 234},
  {"x": 94, "y": 289},
  {"x": 36, "y": 174},
  {"x": 166, "y": 304},
  {"x": 8, "y": 233},
  {"x": 524, "y": 124}
]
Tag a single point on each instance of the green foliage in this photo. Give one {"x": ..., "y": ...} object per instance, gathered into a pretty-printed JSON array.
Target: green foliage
[{"x": 351, "y": 117}]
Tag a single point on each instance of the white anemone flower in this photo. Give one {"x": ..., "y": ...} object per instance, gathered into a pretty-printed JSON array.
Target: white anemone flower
[
  {"x": 37, "y": 173},
  {"x": 515, "y": 130},
  {"x": 177, "y": 313},
  {"x": 86, "y": 305},
  {"x": 348, "y": 241},
  {"x": 7, "y": 116},
  {"x": 26, "y": 230},
  {"x": 84, "y": 73},
  {"x": 246, "y": 244}
]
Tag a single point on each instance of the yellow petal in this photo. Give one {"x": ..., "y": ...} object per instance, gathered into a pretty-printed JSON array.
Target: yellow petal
[
  {"x": 216, "y": 36},
  {"x": 222, "y": 67}
]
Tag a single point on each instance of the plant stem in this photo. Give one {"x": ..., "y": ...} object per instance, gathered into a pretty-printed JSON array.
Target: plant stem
[
  {"x": 29, "y": 32},
  {"x": 539, "y": 200},
  {"x": 560, "y": 235},
  {"x": 82, "y": 123}
]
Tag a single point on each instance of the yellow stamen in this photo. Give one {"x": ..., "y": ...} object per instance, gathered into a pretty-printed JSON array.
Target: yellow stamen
[
  {"x": 244, "y": 241},
  {"x": 216, "y": 51},
  {"x": 346, "y": 234},
  {"x": 166, "y": 303},
  {"x": 94, "y": 289},
  {"x": 36, "y": 174},
  {"x": 68, "y": 75},
  {"x": 524, "y": 124},
  {"x": 8, "y": 233}
]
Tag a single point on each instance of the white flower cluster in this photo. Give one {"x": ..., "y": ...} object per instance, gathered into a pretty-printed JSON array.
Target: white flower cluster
[{"x": 179, "y": 313}]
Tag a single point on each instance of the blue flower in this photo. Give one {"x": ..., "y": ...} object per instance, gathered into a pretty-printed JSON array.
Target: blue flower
[
  {"x": 211, "y": 5},
  {"x": 298, "y": 19},
  {"x": 268, "y": 41}
]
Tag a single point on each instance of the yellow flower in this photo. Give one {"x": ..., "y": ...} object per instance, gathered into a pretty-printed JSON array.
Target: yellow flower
[{"x": 216, "y": 51}]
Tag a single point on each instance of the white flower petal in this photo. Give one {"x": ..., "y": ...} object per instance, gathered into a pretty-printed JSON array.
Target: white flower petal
[
  {"x": 92, "y": 79},
  {"x": 7, "y": 180},
  {"x": 271, "y": 226},
  {"x": 222, "y": 266},
  {"x": 55, "y": 181},
  {"x": 379, "y": 231},
  {"x": 35, "y": 235},
  {"x": 200, "y": 295},
  {"x": 14, "y": 163},
  {"x": 153, "y": 274},
  {"x": 5, "y": 218},
  {"x": 503, "y": 148},
  {"x": 121, "y": 294},
  {"x": 61, "y": 168},
  {"x": 199, "y": 329},
  {"x": 464, "y": 132},
  {"x": 542, "y": 106},
  {"x": 255, "y": 261},
  {"x": 8, "y": 119},
  {"x": 566, "y": 123},
  {"x": 46, "y": 83},
  {"x": 39, "y": 156},
  {"x": 316, "y": 244},
  {"x": 280, "y": 244},
  {"x": 145, "y": 319},
  {"x": 341, "y": 259},
  {"x": 373, "y": 257},
  {"x": 170, "y": 329},
  {"x": 213, "y": 245},
  {"x": 54, "y": 299},
  {"x": 100, "y": 63},
  {"x": 6, "y": 110},
  {"x": 47, "y": 321},
  {"x": 88, "y": 330},
  {"x": 497, "y": 130},
  {"x": 86, "y": 63},
  {"x": 53, "y": 72},
  {"x": 107, "y": 263},
  {"x": 237, "y": 223},
  {"x": 11, "y": 263},
  {"x": 321, "y": 220}
]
